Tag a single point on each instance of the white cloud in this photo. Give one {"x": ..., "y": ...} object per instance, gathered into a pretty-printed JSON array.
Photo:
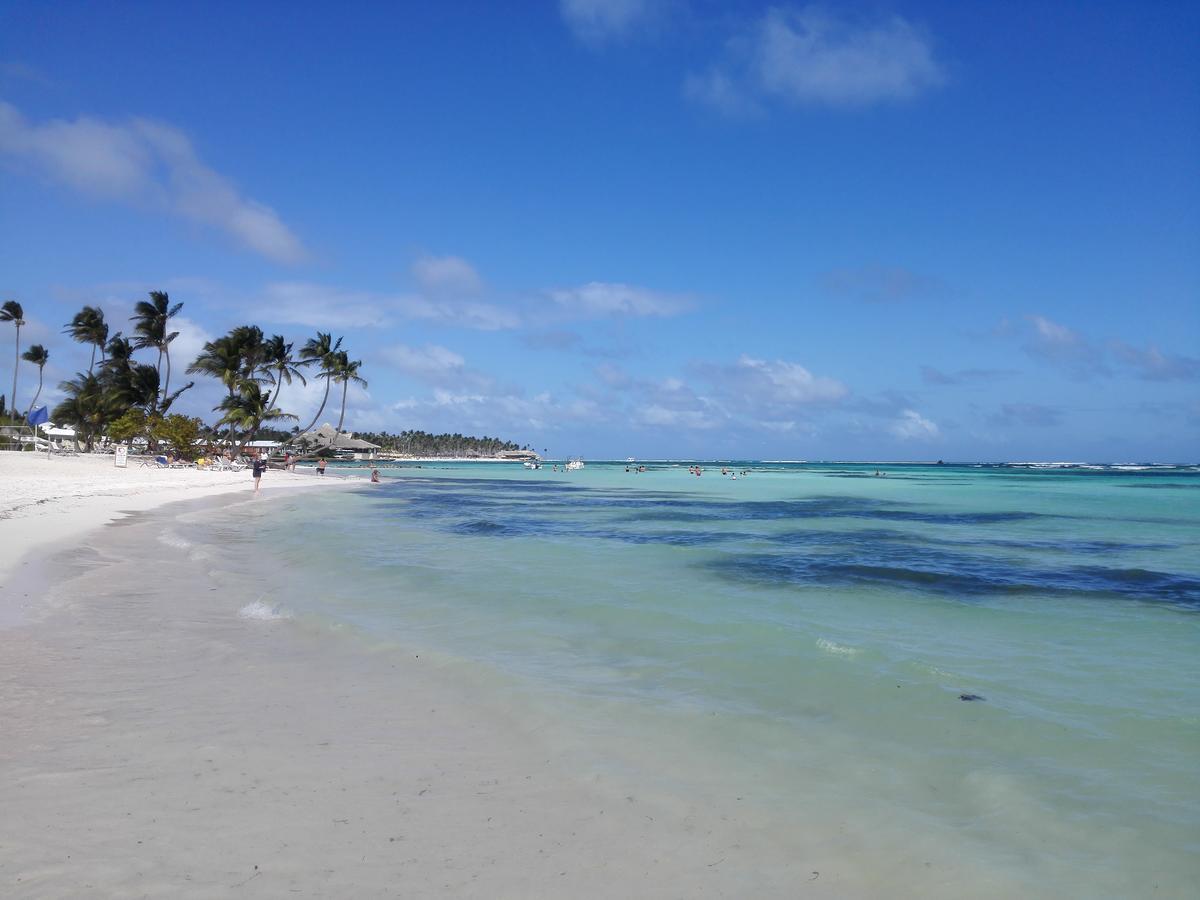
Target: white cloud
[
  {"x": 809, "y": 57},
  {"x": 782, "y": 383},
  {"x": 598, "y": 298},
  {"x": 186, "y": 347},
  {"x": 499, "y": 411},
  {"x": 912, "y": 426},
  {"x": 595, "y": 21},
  {"x": 458, "y": 313},
  {"x": 661, "y": 416},
  {"x": 147, "y": 164},
  {"x": 322, "y": 306},
  {"x": 447, "y": 276},
  {"x": 435, "y": 365}
]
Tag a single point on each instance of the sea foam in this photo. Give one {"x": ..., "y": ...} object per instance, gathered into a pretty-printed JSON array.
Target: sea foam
[
  {"x": 263, "y": 612},
  {"x": 837, "y": 649}
]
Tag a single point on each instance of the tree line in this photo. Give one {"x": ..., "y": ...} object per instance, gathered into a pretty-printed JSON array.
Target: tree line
[
  {"x": 422, "y": 443},
  {"x": 125, "y": 397}
]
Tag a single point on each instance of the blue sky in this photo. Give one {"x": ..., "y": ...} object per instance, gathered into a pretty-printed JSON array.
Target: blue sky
[{"x": 639, "y": 227}]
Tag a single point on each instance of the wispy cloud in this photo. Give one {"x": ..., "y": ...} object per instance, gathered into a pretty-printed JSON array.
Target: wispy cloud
[
  {"x": 446, "y": 276},
  {"x": 321, "y": 306},
  {"x": 553, "y": 339},
  {"x": 325, "y": 306},
  {"x": 1081, "y": 357},
  {"x": 912, "y": 426},
  {"x": 811, "y": 57},
  {"x": 1057, "y": 345},
  {"x": 1152, "y": 364},
  {"x": 930, "y": 375},
  {"x": 431, "y": 363},
  {"x": 599, "y": 298},
  {"x": 147, "y": 164},
  {"x": 597, "y": 21},
  {"x": 880, "y": 284},
  {"x": 437, "y": 366},
  {"x": 1031, "y": 414}
]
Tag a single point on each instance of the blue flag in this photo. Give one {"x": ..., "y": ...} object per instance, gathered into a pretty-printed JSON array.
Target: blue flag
[{"x": 38, "y": 416}]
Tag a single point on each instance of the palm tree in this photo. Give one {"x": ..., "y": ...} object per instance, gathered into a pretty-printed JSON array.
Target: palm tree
[
  {"x": 280, "y": 365},
  {"x": 150, "y": 318},
  {"x": 119, "y": 352},
  {"x": 247, "y": 410},
  {"x": 345, "y": 372},
  {"x": 11, "y": 312},
  {"x": 88, "y": 406},
  {"x": 221, "y": 359},
  {"x": 37, "y": 354},
  {"x": 321, "y": 350},
  {"x": 89, "y": 327},
  {"x": 248, "y": 341}
]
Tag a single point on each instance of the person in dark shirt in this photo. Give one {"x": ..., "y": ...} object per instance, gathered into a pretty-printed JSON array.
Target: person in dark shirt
[{"x": 259, "y": 465}]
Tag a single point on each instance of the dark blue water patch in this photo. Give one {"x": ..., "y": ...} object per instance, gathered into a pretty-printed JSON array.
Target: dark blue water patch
[
  {"x": 825, "y": 508},
  {"x": 867, "y": 538},
  {"x": 955, "y": 575},
  {"x": 1167, "y": 486}
]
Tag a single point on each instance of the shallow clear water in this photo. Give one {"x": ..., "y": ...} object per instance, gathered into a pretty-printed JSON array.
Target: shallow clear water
[{"x": 801, "y": 638}]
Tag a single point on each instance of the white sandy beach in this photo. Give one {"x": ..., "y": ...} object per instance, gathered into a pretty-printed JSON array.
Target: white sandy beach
[
  {"x": 157, "y": 743},
  {"x": 45, "y": 501}
]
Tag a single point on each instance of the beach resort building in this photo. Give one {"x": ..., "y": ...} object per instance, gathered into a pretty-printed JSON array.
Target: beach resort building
[{"x": 342, "y": 443}]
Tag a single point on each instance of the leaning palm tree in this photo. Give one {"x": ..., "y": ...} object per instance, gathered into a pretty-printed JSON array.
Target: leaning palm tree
[
  {"x": 246, "y": 410},
  {"x": 346, "y": 371},
  {"x": 150, "y": 318},
  {"x": 220, "y": 358},
  {"x": 11, "y": 312},
  {"x": 89, "y": 327},
  {"x": 322, "y": 351},
  {"x": 279, "y": 365},
  {"x": 37, "y": 354}
]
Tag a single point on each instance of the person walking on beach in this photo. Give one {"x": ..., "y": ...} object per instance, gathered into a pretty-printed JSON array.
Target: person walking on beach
[
  {"x": 321, "y": 466},
  {"x": 259, "y": 465}
]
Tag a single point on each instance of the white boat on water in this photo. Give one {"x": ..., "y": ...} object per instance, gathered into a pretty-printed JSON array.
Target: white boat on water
[
  {"x": 574, "y": 464},
  {"x": 531, "y": 464}
]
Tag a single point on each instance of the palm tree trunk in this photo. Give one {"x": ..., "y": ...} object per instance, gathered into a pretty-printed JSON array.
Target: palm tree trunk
[
  {"x": 319, "y": 411},
  {"x": 33, "y": 402},
  {"x": 342, "y": 417},
  {"x": 275, "y": 393},
  {"x": 12, "y": 401},
  {"x": 92, "y": 364},
  {"x": 167, "y": 383}
]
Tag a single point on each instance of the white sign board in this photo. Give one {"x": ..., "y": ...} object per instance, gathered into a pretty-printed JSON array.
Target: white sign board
[{"x": 121, "y": 457}]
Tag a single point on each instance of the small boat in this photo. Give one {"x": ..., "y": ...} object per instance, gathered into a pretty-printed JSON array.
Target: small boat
[
  {"x": 531, "y": 464},
  {"x": 574, "y": 464}
]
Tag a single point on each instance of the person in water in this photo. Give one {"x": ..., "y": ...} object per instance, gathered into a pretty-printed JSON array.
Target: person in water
[
  {"x": 260, "y": 464},
  {"x": 374, "y": 476},
  {"x": 321, "y": 466}
]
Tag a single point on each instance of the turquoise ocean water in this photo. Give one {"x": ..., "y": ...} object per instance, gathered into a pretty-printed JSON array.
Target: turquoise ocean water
[{"x": 799, "y": 640}]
